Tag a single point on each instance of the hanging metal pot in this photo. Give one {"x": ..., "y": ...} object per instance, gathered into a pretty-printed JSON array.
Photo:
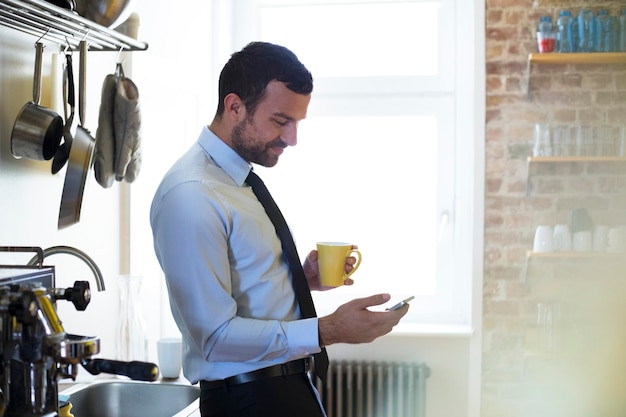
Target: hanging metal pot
[
  {"x": 80, "y": 156},
  {"x": 109, "y": 13},
  {"x": 64, "y": 4},
  {"x": 37, "y": 130}
]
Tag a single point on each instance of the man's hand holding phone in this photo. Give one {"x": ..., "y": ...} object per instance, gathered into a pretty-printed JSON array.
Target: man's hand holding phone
[{"x": 401, "y": 303}]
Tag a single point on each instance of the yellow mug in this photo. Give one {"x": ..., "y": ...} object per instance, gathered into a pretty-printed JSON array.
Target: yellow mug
[{"x": 331, "y": 259}]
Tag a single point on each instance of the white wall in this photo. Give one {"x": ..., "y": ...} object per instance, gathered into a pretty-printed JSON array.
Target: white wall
[
  {"x": 176, "y": 79},
  {"x": 30, "y": 194}
]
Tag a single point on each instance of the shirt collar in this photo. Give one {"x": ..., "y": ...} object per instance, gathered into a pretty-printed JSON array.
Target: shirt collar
[{"x": 224, "y": 156}]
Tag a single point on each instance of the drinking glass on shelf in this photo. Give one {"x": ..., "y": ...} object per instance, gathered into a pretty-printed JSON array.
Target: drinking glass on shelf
[
  {"x": 584, "y": 141},
  {"x": 562, "y": 143},
  {"x": 542, "y": 141},
  {"x": 548, "y": 316},
  {"x": 605, "y": 141}
]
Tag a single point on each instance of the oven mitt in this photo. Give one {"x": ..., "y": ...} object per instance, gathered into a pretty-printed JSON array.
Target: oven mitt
[
  {"x": 104, "y": 149},
  {"x": 127, "y": 131},
  {"x": 117, "y": 152}
]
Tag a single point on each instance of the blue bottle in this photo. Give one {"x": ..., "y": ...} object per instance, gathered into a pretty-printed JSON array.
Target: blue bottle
[
  {"x": 600, "y": 30},
  {"x": 563, "y": 43},
  {"x": 586, "y": 35},
  {"x": 611, "y": 35},
  {"x": 622, "y": 36},
  {"x": 572, "y": 35}
]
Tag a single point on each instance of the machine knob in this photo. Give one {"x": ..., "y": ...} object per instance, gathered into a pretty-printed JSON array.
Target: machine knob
[{"x": 79, "y": 295}]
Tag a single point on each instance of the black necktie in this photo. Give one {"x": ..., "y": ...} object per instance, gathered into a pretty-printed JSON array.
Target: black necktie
[{"x": 300, "y": 284}]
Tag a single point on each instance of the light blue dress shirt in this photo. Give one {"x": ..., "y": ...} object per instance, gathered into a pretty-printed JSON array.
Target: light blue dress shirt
[{"x": 229, "y": 285}]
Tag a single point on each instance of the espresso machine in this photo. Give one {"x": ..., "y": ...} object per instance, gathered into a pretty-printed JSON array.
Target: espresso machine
[{"x": 35, "y": 350}]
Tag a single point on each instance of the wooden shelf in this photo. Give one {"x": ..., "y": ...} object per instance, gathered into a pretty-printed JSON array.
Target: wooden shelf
[
  {"x": 618, "y": 257},
  {"x": 571, "y": 58},
  {"x": 578, "y": 58},
  {"x": 560, "y": 159},
  {"x": 546, "y": 159},
  {"x": 574, "y": 255}
]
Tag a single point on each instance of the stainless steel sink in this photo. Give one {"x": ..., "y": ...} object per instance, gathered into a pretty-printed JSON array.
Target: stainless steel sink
[{"x": 133, "y": 399}]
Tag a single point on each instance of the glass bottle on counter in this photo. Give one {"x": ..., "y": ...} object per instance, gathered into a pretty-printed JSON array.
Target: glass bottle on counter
[{"x": 131, "y": 340}]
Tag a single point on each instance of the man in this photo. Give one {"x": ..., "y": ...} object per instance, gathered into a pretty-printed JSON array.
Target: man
[{"x": 230, "y": 286}]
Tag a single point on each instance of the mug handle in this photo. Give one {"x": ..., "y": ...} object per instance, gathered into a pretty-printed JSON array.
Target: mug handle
[{"x": 356, "y": 265}]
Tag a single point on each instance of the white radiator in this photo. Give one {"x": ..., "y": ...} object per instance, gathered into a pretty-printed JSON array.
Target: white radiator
[{"x": 375, "y": 389}]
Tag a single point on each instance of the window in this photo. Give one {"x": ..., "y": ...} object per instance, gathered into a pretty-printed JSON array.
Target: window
[{"x": 385, "y": 158}]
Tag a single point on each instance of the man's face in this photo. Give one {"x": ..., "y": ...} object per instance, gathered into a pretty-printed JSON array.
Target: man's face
[{"x": 262, "y": 138}]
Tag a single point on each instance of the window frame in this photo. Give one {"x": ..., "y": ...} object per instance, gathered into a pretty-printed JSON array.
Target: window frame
[{"x": 453, "y": 305}]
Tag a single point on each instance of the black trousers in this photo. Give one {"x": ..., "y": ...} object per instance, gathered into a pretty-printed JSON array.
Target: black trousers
[{"x": 281, "y": 396}]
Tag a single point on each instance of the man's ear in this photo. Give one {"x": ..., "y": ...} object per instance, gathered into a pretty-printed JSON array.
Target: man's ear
[{"x": 234, "y": 108}]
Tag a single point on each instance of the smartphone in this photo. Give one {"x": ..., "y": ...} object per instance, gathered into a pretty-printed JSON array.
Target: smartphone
[{"x": 401, "y": 303}]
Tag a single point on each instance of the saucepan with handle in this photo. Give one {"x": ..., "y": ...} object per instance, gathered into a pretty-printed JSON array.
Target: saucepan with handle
[
  {"x": 37, "y": 130},
  {"x": 80, "y": 155}
]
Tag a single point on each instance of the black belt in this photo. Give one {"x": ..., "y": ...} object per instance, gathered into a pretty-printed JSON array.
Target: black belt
[{"x": 299, "y": 366}]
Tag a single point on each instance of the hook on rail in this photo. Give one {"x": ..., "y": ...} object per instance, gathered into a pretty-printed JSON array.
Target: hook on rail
[{"x": 43, "y": 36}]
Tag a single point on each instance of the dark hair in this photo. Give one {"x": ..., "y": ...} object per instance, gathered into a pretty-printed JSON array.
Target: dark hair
[{"x": 248, "y": 72}]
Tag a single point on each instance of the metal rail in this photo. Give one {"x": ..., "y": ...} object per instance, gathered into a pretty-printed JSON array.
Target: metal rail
[{"x": 44, "y": 20}]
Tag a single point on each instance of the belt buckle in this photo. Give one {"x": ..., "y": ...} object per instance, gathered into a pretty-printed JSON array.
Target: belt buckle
[
  {"x": 305, "y": 362},
  {"x": 309, "y": 366}
]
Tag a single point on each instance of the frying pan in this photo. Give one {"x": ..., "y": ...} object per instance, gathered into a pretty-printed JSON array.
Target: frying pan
[
  {"x": 37, "y": 130},
  {"x": 63, "y": 152},
  {"x": 80, "y": 155}
]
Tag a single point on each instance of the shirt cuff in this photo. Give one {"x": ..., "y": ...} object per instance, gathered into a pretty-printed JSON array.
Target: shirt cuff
[{"x": 303, "y": 337}]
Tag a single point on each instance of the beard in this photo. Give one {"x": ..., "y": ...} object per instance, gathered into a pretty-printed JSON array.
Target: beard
[{"x": 253, "y": 149}]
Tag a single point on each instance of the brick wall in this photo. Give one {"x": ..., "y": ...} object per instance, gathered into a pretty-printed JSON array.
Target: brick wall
[{"x": 581, "y": 373}]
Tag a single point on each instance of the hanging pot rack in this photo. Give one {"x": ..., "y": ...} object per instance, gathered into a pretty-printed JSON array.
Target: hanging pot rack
[{"x": 47, "y": 21}]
